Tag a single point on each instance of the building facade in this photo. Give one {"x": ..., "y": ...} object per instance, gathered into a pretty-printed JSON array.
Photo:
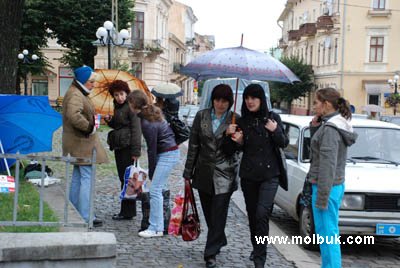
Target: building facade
[
  {"x": 162, "y": 39},
  {"x": 181, "y": 33},
  {"x": 351, "y": 45}
]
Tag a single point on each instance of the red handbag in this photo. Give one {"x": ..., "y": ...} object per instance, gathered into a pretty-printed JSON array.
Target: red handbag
[{"x": 190, "y": 226}]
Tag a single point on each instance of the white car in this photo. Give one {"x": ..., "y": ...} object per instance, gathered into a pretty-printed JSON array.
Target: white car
[
  {"x": 192, "y": 114},
  {"x": 371, "y": 204}
]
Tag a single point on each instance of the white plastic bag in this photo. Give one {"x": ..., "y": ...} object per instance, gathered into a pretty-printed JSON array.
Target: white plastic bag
[{"x": 135, "y": 182}]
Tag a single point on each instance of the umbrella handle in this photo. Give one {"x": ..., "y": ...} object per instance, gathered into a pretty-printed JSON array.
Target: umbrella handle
[
  {"x": 234, "y": 104},
  {"x": 5, "y": 160}
]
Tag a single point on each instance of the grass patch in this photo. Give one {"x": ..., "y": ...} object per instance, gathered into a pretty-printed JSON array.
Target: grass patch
[{"x": 28, "y": 209}]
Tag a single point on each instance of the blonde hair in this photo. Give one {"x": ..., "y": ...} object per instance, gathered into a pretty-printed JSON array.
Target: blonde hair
[{"x": 139, "y": 100}]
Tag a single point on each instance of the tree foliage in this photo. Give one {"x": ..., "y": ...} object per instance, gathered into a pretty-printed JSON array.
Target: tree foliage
[
  {"x": 33, "y": 38},
  {"x": 74, "y": 23},
  {"x": 290, "y": 92},
  {"x": 10, "y": 30}
]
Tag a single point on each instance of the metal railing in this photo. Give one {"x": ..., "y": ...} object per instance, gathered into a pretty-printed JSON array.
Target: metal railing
[{"x": 42, "y": 159}]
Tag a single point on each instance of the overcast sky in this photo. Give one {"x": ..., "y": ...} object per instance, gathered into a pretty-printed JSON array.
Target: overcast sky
[{"x": 228, "y": 19}]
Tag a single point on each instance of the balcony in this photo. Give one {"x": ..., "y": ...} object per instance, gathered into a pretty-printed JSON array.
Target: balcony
[
  {"x": 325, "y": 22},
  {"x": 294, "y": 35},
  {"x": 148, "y": 46},
  {"x": 308, "y": 29},
  {"x": 282, "y": 43}
]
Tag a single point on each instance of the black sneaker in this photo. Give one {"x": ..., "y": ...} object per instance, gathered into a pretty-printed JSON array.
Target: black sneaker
[
  {"x": 97, "y": 223},
  {"x": 211, "y": 262},
  {"x": 251, "y": 257},
  {"x": 119, "y": 217}
]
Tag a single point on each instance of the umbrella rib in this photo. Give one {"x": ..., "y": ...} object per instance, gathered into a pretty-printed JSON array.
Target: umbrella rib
[
  {"x": 105, "y": 77},
  {"x": 116, "y": 75}
]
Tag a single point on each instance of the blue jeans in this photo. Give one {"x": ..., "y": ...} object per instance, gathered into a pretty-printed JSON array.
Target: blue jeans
[
  {"x": 165, "y": 163},
  {"x": 327, "y": 225},
  {"x": 79, "y": 193}
]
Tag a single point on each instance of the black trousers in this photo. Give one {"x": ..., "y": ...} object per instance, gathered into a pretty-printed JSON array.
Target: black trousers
[
  {"x": 123, "y": 160},
  {"x": 215, "y": 209},
  {"x": 259, "y": 198}
]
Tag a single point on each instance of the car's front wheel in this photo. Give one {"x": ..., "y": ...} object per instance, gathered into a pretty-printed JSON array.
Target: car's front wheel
[{"x": 306, "y": 226}]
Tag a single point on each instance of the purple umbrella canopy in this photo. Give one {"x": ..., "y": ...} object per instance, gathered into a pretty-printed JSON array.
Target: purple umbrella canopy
[{"x": 238, "y": 62}]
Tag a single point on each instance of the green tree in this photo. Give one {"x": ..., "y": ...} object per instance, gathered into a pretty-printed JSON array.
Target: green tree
[
  {"x": 33, "y": 37},
  {"x": 10, "y": 31},
  {"x": 290, "y": 92},
  {"x": 74, "y": 23}
]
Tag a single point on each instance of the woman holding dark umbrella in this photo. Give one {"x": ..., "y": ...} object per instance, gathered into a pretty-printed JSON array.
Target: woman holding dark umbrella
[{"x": 260, "y": 136}]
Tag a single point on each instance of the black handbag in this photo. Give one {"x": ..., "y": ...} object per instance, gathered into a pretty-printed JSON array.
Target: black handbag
[{"x": 180, "y": 129}]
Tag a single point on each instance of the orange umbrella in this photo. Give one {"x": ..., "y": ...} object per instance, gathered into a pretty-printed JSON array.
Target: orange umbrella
[{"x": 100, "y": 96}]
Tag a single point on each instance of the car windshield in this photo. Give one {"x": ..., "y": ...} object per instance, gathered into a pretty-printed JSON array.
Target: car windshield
[{"x": 379, "y": 145}]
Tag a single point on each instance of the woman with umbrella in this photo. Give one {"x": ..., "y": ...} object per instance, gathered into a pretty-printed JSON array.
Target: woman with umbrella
[
  {"x": 213, "y": 171},
  {"x": 260, "y": 136},
  {"x": 125, "y": 139}
]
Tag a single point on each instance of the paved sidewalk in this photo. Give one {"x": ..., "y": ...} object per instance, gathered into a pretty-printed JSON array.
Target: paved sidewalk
[{"x": 170, "y": 251}]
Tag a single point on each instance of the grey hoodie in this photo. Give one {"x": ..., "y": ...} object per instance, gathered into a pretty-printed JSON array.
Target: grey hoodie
[{"x": 328, "y": 155}]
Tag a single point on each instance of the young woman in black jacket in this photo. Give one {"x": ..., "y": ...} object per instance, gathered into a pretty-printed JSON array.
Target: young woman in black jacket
[
  {"x": 259, "y": 134},
  {"x": 125, "y": 139}
]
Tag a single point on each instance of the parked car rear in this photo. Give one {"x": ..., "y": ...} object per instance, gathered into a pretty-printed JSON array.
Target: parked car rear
[{"x": 371, "y": 204}]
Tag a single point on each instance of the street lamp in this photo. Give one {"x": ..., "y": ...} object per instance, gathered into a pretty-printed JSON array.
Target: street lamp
[
  {"x": 25, "y": 60},
  {"x": 105, "y": 37},
  {"x": 394, "y": 83}
]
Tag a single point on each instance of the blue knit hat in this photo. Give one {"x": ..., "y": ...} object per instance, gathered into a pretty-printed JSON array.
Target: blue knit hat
[{"x": 82, "y": 74}]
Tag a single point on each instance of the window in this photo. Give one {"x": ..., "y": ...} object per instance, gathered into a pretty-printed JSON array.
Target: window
[
  {"x": 336, "y": 51},
  {"x": 319, "y": 54},
  {"x": 292, "y": 150},
  {"x": 379, "y": 4},
  {"x": 311, "y": 54},
  {"x": 376, "y": 49},
  {"x": 66, "y": 77},
  {"x": 306, "y": 146},
  {"x": 373, "y": 99},
  {"x": 137, "y": 69},
  {"x": 138, "y": 30},
  {"x": 323, "y": 54},
  {"x": 40, "y": 88},
  {"x": 329, "y": 54}
]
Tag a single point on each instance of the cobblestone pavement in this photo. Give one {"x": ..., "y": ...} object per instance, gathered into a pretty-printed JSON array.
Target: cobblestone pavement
[
  {"x": 384, "y": 253},
  {"x": 167, "y": 251}
]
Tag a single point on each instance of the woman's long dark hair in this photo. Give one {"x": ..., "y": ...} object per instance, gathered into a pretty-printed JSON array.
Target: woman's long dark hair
[
  {"x": 256, "y": 91},
  {"x": 139, "y": 100},
  {"x": 332, "y": 96}
]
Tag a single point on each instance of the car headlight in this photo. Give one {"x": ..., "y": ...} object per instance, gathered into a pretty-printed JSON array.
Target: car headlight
[{"x": 353, "y": 202}]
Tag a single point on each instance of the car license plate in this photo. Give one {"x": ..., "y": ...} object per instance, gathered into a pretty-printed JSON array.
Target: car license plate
[{"x": 388, "y": 229}]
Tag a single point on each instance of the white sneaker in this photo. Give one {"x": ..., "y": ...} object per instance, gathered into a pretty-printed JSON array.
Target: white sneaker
[{"x": 148, "y": 233}]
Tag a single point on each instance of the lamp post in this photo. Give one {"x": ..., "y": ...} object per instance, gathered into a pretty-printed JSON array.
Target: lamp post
[
  {"x": 394, "y": 83},
  {"x": 25, "y": 60},
  {"x": 105, "y": 37}
]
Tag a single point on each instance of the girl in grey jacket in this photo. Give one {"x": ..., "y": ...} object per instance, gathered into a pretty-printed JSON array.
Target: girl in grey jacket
[{"x": 329, "y": 144}]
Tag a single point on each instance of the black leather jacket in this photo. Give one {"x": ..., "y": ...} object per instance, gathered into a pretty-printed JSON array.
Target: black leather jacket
[
  {"x": 263, "y": 157},
  {"x": 210, "y": 169}
]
